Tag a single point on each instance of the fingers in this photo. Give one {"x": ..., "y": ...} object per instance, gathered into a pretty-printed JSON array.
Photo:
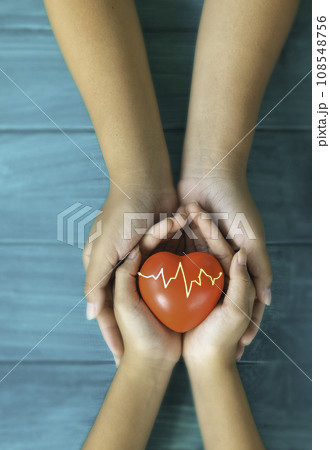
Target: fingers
[
  {"x": 98, "y": 272},
  {"x": 125, "y": 286},
  {"x": 241, "y": 292},
  {"x": 239, "y": 351},
  {"x": 261, "y": 272},
  {"x": 164, "y": 229},
  {"x": 86, "y": 255},
  {"x": 213, "y": 237},
  {"x": 125, "y": 295},
  {"x": 252, "y": 330},
  {"x": 111, "y": 333}
]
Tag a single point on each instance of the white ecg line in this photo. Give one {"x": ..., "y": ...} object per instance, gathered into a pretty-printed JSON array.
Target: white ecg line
[{"x": 188, "y": 290}]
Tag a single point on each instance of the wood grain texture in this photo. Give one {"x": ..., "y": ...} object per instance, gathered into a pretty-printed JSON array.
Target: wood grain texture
[
  {"x": 164, "y": 15},
  {"x": 54, "y": 405},
  {"x": 44, "y": 173},
  {"x": 160, "y": 15},
  {"x": 30, "y": 56},
  {"x": 41, "y": 284},
  {"x": 50, "y": 401}
]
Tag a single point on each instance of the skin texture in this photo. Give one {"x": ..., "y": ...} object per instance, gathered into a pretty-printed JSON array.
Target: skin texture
[
  {"x": 102, "y": 43},
  {"x": 151, "y": 351},
  {"x": 237, "y": 46},
  {"x": 209, "y": 351}
]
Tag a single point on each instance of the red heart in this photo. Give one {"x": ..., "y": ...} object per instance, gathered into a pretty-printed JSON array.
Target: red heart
[{"x": 181, "y": 290}]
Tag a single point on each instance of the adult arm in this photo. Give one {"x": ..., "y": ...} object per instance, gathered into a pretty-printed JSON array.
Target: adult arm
[
  {"x": 102, "y": 43},
  {"x": 237, "y": 47}
]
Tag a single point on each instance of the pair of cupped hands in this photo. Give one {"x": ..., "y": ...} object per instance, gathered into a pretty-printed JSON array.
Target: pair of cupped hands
[{"x": 126, "y": 323}]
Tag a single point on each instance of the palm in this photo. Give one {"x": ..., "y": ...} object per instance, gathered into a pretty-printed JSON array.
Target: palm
[
  {"x": 219, "y": 195},
  {"x": 145, "y": 327},
  {"x": 200, "y": 340}
]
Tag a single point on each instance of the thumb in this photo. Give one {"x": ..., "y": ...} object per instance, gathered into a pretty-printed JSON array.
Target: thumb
[
  {"x": 125, "y": 281},
  {"x": 261, "y": 272},
  {"x": 241, "y": 291}
]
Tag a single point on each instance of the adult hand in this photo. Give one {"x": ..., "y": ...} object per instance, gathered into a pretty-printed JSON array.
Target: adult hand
[
  {"x": 231, "y": 195},
  {"x": 101, "y": 256}
]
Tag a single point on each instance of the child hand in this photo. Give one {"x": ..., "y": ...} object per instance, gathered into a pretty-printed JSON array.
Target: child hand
[
  {"x": 217, "y": 337},
  {"x": 144, "y": 336}
]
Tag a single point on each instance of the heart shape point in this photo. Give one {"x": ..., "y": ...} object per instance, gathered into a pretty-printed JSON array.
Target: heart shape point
[{"x": 181, "y": 291}]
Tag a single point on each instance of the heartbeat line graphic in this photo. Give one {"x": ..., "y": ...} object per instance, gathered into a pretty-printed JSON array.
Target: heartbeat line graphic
[{"x": 180, "y": 268}]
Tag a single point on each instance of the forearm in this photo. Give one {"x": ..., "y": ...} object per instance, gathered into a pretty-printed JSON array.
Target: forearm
[
  {"x": 237, "y": 47},
  {"x": 102, "y": 43},
  {"x": 223, "y": 411},
  {"x": 130, "y": 408}
]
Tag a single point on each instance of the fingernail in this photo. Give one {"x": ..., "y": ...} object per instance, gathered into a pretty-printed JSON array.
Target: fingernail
[
  {"x": 268, "y": 297},
  {"x": 90, "y": 311},
  {"x": 133, "y": 253},
  {"x": 242, "y": 257}
]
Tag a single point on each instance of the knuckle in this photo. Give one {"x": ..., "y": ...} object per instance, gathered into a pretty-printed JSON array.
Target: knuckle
[{"x": 245, "y": 279}]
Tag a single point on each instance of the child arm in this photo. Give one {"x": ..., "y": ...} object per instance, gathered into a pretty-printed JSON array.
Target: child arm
[
  {"x": 151, "y": 351},
  {"x": 210, "y": 352}
]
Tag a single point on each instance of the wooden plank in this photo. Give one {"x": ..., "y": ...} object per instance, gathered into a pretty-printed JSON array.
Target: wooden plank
[
  {"x": 38, "y": 401},
  {"x": 32, "y": 59},
  {"x": 160, "y": 15},
  {"x": 45, "y": 173},
  {"x": 41, "y": 284}
]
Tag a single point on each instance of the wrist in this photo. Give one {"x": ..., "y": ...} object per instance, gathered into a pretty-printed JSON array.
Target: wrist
[
  {"x": 210, "y": 371},
  {"x": 146, "y": 194},
  {"x": 211, "y": 172},
  {"x": 143, "y": 180},
  {"x": 146, "y": 176},
  {"x": 146, "y": 366},
  {"x": 203, "y": 188},
  {"x": 224, "y": 150},
  {"x": 138, "y": 163},
  {"x": 213, "y": 362}
]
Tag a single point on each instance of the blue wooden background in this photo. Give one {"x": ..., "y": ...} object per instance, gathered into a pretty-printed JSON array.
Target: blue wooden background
[{"x": 50, "y": 400}]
